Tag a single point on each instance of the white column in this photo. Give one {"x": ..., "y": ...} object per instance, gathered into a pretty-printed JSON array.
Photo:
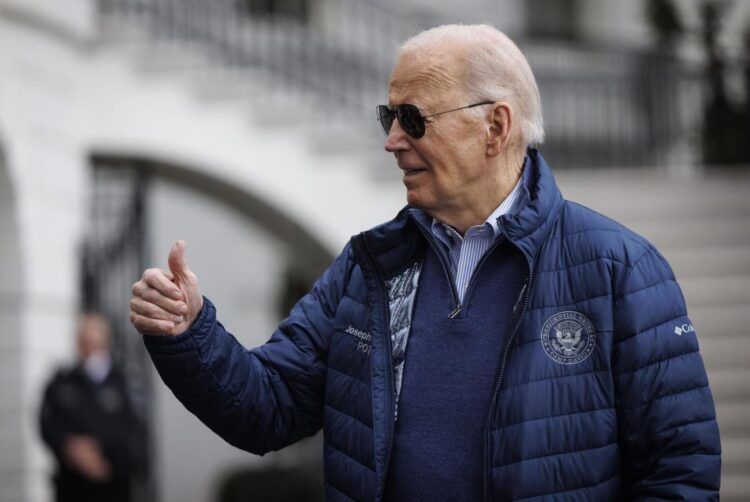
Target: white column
[{"x": 42, "y": 199}]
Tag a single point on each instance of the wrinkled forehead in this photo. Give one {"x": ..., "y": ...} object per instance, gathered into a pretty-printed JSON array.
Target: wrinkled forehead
[{"x": 425, "y": 79}]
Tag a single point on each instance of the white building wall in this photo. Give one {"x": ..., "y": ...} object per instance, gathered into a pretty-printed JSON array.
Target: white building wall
[
  {"x": 10, "y": 325},
  {"x": 41, "y": 55}
]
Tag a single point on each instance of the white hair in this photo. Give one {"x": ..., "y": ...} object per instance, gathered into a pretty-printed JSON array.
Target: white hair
[{"x": 495, "y": 70}]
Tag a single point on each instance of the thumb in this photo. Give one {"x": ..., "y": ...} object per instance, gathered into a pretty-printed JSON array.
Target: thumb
[{"x": 177, "y": 264}]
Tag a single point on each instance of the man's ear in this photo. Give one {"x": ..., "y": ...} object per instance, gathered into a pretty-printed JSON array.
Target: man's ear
[{"x": 498, "y": 133}]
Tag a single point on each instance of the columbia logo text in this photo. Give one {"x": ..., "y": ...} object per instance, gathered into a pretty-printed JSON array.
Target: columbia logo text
[
  {"x": 685, "y": 328},
  {"x": 363, "y": 345}
]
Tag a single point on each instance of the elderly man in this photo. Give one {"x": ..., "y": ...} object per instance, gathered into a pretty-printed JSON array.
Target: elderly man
[{"x": 492, "y": 342}]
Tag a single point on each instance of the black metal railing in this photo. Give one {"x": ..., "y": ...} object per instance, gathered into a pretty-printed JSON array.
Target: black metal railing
[
  {"x": 113, "y": 256},
  {"x": 610, "y": 107},
  {"x": 603, "y": 106},
  {"x": 340, "y": 56}
]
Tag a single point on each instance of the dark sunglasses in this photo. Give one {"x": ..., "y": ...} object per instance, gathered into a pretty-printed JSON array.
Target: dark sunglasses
[{"x": 410, "y": 117}]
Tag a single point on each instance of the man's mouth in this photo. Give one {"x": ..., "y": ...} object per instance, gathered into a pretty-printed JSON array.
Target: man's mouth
[{"x": 411, "y": 171}]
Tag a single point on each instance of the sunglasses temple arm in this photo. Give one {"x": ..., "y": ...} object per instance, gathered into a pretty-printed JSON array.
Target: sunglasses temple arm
[{"x": 459, "y": 108}]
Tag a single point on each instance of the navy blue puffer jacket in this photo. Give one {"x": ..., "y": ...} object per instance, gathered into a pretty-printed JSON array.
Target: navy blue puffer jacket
[{"x": 601, "y": 391}]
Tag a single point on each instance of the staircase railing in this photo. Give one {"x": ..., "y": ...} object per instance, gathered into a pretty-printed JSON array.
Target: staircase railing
[
  {"x": 603, "y": 106},
  {"x": 341, "y": 55}
]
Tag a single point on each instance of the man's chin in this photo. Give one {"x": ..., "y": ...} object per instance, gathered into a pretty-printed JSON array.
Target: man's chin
[{"x": 415, "y": 199}]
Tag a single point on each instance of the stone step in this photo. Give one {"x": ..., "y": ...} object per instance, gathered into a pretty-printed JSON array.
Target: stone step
[
  {"x": 735, "y": 465},
  {"x": 733, "y": 418},
  {"x": 719, "y": 320},
  {"x": 735, "y": 453},
  {"x": 725, "y": 351},
  {"x": 717, "y": 290},
  {"x": 701, "y": 231},
  {"x": 706, "y": 261},
  {"x": 729, "y": 385},
  {"x": 735, "y": 487},
  {"x": 643, "y": 195}
]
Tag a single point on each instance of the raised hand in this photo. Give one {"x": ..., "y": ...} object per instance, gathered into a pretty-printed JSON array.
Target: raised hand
[{"x": 166, "y": 302}]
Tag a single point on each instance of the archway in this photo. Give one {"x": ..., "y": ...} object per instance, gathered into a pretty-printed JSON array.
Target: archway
[
  {"x": 135, "y": 198},
  {"x": 264, "y": 213}
]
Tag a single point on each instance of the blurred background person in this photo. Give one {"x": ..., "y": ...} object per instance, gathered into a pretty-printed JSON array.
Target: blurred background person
[{"x": 88, "y": 422}]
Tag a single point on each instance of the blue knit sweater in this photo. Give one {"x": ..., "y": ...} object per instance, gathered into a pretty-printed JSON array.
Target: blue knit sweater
[{"x": 449, "y": 373}]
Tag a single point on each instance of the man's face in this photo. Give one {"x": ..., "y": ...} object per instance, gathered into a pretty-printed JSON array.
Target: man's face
[
  {"x": 443, "y": 169},
  {"x": 93, "y": 336}
]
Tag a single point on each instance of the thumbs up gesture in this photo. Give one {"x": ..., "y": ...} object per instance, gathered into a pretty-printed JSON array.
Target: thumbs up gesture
[{"x": 166, "y": 302}]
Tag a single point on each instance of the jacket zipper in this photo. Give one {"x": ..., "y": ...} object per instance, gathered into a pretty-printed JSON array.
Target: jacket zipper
[
  {"x": 448, "y": 270},
  {"x": 380, "y": 287},
  {"x": 525, "y": 294},
  {"x": 449, "y": 275}
]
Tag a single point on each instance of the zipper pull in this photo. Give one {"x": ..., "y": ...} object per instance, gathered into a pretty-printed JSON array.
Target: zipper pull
[
  {"x": 520, "y": 296},
  {"x": 455, "y": 312}
]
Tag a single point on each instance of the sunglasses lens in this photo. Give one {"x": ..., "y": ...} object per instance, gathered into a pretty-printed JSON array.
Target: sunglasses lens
[
  {"x": 385, "y": 117},
  {"x": 411, "y": 120},
  {"x": 409, "y": 117}
]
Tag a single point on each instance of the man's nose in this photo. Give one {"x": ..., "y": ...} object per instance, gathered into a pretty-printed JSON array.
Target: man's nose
[{"x": 396, "y": 140}]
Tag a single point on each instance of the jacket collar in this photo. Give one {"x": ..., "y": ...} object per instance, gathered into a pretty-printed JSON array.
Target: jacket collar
[
  {"x": 396, "y": 244},
  {"x": 529, "y": 227}
]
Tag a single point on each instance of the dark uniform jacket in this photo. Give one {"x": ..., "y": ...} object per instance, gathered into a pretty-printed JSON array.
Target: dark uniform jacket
[{"x": 75, "y": 405}]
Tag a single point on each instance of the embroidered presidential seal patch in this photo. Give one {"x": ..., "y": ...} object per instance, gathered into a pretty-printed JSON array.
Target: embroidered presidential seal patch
[{"x": 568, "y": 337}]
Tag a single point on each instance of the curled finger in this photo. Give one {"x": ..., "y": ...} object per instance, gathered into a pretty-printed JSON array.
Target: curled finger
[
  {"x": 148, "y": 309},
  {"x": 148, "y": 326},
  {"x": 174, "y": 307}
]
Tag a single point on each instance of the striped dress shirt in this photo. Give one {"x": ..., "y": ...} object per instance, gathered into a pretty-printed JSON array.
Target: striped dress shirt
[{"x": 465, "y": 252}]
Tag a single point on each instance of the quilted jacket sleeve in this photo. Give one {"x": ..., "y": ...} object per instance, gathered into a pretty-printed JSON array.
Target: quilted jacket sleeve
[
  {"x": 261, "y": 399},
  {"x": 668, "y": 425}
]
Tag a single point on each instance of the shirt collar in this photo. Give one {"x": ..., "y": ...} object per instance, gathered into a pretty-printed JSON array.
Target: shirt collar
[{"x": 97, "y": 366}]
